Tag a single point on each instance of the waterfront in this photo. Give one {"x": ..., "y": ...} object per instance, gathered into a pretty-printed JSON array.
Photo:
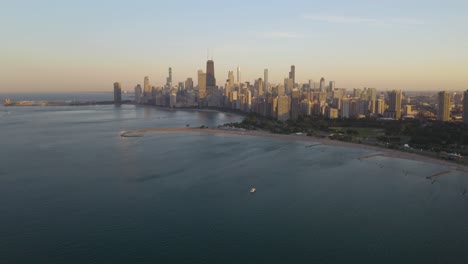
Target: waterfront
[{"x": 74, "y": 191}]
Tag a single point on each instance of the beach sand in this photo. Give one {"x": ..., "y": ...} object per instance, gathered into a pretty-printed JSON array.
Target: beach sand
[{"x": 383, "y": 152}]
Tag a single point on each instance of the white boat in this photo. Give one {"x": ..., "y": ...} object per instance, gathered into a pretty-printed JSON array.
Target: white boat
[{"x": 253, "y": 190}]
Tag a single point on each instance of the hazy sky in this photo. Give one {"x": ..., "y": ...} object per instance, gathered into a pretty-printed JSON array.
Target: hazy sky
[{"x": 87, "y": 45}]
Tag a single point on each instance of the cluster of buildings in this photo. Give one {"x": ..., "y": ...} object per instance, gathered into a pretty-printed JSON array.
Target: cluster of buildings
[{"x": 283, "y": 101}]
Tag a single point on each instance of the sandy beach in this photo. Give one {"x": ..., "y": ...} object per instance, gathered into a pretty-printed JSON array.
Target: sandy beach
[{"x": 389, "y": 153}]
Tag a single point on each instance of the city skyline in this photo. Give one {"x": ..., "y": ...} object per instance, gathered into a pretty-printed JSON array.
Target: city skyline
[{"x": 390, "y": 45}]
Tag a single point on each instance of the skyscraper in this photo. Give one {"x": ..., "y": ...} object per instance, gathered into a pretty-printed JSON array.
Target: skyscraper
[
  {"x": 238, "y": 74},
  {"x": 394, "y": 105},
  {"x": 169, "y": 79},
  {"x": 146, "y": 87},
  {"x": 282, "y": 109},
  {"x": 138, "y": 94},
  {"x": 117, "y": 93},
  {"x": 357, "y": 93},
  {"x": 372, "y": 97},
  {"x": 189, "y": 84},
  {"x": 380, "y": 106},
  {"x": 288, "y": 85},
  {"x": 331, "y": 88},
  {"x": 443, "y": 106},
  {"x": 310, "y": 90},
  {"x": 265, "y": 80},
  {"x": 259, "y": 87},
  {"x": 465, "y": 107},
  {"x": 181, "y": 87},
  {"x": 210, "y": 77},
  {"x": 346, "y": 108},
  {"x": 295, "y": 103},
  {"x": 322, "y": 85},
  {"x": 201, "y": 84},
  {"x": 292, "y": 75},
  {"x": 231, "y": 79}
]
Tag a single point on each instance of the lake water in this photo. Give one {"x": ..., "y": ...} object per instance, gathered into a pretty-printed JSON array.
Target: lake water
[{"x": 73, "y": 191}]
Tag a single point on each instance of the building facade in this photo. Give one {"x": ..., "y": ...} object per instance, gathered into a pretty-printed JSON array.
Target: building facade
[
  {"x": 117, "y": 93},
  {"x": 443, "y": 106}
]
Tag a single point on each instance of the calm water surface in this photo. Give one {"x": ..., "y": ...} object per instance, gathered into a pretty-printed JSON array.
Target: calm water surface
[{"x": 73, "y": 191}]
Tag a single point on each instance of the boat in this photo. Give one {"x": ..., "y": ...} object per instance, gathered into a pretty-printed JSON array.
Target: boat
[{"x": 253, "y": 190}]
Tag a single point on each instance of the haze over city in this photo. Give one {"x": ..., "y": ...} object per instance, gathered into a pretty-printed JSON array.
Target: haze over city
[{"x": 86, "y": 46}]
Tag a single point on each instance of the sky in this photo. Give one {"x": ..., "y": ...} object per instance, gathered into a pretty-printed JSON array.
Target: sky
[{"x": 70, "y": 46}]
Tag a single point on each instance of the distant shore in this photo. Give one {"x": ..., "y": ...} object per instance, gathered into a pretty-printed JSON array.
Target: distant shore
[{"x": 383, "y": 152}]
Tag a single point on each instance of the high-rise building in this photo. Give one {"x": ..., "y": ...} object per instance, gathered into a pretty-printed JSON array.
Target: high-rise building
[
  {"x": 280, "y": 90},
  {"x": 238, "y": 74},
  {"x": 295, "y": 103},
  {"x": 380, "y": 106},
  {"x": 331, "y": 88},
  {"x": 306, "y": 107},
  {"x": 265, "y": 80},
  {"x": 117, "y": 93},
  {"x": 346, "y": 108},
  {"x": 465, "y": 107},
  {"x": 189, "y": 84},
  {"x": 210, "y": 77},
  {"x": 322, "y": 85},
  {"x": 169, "y": 79},
  {"x": 172, "y": 99},
  {"x": 457, "y": 98},
  {"x": 371, "y": 94},
  {"x": 201, "y": 84},
  {"x": 181, "y": 87},
  {"x": 394, "y": 104},
  {"x": 249, "y": 101},
  {"x": 231, "y": 79},
  {"x": 338, "y": 93},
  {"x": 282, "y": 108},
  {"x": 259, "y": 87},
  {"x": 229, "y": 83},
  {"x": 292, "y": 75},
  {"x": 138, "y": 94},
  {"x": 362, "y": 106},
  {"x": 210, "y": 74},
  {"x": 332, "y": 113},
  {"x": 353, "y": 109},
  {"x": 288, "y": 85},
  {"x": 372, "y": 97},
  {"x": 146, "y": 87},
  {"x": 443, "y": 106},
  {"x": 357, "y": 93},
  {"x": 408, "y": 110}
]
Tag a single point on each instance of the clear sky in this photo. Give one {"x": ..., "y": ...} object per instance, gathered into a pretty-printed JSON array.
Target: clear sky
[{"x": 87, "y": 45}]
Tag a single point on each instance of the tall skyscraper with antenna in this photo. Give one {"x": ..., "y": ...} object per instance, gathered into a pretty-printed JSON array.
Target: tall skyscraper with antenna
[
  {"x": 210, "y": 77},
  {"x": 292, "y": 75}
]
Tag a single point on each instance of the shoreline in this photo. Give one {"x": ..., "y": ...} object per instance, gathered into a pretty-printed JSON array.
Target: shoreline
[{"x": 382, "y": 152}]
